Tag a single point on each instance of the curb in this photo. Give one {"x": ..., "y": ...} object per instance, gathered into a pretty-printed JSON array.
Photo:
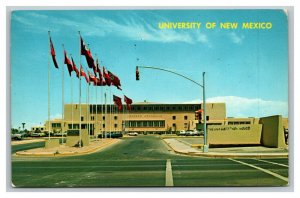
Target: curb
[
  {"x": 92, "y": 150},
  {"x": 231, "y": 155}
]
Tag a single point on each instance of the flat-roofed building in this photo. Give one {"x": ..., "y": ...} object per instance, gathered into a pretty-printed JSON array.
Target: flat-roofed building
[{"x": 143, "y": 117}]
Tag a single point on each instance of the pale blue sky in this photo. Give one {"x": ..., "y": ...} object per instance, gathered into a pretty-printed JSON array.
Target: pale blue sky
[{"x": 247, "y": 69}]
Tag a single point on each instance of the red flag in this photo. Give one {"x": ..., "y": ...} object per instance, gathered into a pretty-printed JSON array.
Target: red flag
[
  {"x": 115, "y": 80},
  {"x": 75, "y": 68},
  {"x": 83, "y": 47},
  {"x": 82, "y": 73},
  {"x": 68, "y": 62},
  {"x": 92, "y": 78},
  {"x": 53, "y": 54},
  {"x": 117, "y": 102},
  {"x": 100, "y": 82},
  {"x": 106, "y": 77},
  {"x": 128, "y": 102},
  {"x": 87, "y": 53}
]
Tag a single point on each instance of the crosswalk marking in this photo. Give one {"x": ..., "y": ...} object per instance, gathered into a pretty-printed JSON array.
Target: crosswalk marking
[
  {"x": 262, "y": 169},
  {"x": 169, "y": 175},
  {"x": 272, "y": 162}
]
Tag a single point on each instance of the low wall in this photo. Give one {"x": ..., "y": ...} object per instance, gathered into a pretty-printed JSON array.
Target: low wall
[
  {"x": 234, "y": 134},
  {"x": 272, "y": 132},
  {"x": 73, "y": 140},
  {"x": 52, "y": 143}
]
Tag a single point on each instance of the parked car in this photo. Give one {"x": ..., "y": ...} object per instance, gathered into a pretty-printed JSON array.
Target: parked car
[
  {"x": 37, "y": 134},
  {"x": 16, "y": 136},
  {"x": 182, "y": 132},
  {"x": 190, "y": 133},
  {"x": 133, "y": 134},
  {"x": 111, "y": 135}
]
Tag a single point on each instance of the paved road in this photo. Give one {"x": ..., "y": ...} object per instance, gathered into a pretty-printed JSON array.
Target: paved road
[{"x": 145, "y": 161}]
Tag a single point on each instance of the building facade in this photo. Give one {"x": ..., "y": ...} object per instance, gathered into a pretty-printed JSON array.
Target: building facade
[{"x": 143, "y": 117}]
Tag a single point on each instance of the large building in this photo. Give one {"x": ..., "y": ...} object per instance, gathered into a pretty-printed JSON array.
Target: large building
[
  {"x": 143, "y": 117},
  {"x": 158, "y": 118}
]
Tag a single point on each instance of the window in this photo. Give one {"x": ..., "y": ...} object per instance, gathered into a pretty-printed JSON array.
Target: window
[
  {"x": 92, "y": 118},
  {"x": 56, "y": 125},
  {"x": 42, "y": 129},
  {"x": 82, "y": 118},
  {"x": 150, "y": 123},
  {"x": 103, "y": 118},
  {"x": 174, "y": 117},
  {"x": 103, "y": 125},
  {"x": 174, "y": 125},
  {"x": 116, "y": 117},
  {"x": 185, "y": 117},
  {"x": 207, "y": 118},
  {"x": 145, "y": 124},
  {"x": 116, "y": 125}
]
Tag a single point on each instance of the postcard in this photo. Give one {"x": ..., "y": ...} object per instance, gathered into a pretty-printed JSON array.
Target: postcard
[{"x": 149, "y": 98}]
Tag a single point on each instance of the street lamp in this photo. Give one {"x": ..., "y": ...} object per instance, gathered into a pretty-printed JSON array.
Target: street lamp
[{"x": 205, "y": 146}]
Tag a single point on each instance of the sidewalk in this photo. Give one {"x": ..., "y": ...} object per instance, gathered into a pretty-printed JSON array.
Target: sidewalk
[
  {"x": 63, "y": 150},
  {"x": 228, "y": 152}
]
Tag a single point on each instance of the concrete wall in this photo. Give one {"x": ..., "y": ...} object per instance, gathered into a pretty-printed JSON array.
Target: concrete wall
[
  {"x": 234, "y": 134},
  {"x": 272, "y": 132},
  {"x": 52, "y": 143},
  {"x": 74, "y": 140}
]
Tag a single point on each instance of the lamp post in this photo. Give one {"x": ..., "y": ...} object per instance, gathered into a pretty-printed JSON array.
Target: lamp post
[{"x": 205, "y": 146}]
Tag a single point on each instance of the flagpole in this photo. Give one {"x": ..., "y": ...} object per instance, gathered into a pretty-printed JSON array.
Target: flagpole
[
  {"x": 72, "y": 100},
  {"x": 63, "y": 101},
  {"x": 110, "y": 112},
  {"x": 102, "y": 111},
  {"x": 96, "y": 110},
  {"x": 49, "y": 87},
  {"x": 105, "y": 115},
  {"x": 87, "y": 107},
  {"x": 79, "y": 92}
]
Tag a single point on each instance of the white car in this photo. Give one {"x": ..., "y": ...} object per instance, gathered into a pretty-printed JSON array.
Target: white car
[
  {"x": 133, "y": 134},
  {"x": 182, "y": 132}
]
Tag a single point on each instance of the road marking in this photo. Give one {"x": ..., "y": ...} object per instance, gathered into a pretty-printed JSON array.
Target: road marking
[
  {"x": 272, "y": 162},
  {"x": 261, "y": 169},
  {"x": 169, "y": 175}
]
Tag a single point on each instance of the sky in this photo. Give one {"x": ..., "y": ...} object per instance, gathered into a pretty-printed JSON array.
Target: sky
[{"x": 245, "y": 68}]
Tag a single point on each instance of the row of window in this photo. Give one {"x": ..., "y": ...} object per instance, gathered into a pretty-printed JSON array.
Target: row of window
[
  {"x": 148, "y": 123},
  {"x": 101, "y": 108}
]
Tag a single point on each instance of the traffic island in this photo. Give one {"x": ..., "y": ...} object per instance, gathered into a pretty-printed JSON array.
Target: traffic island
[
  {"x": 184, "y": 148},
  {"x": 64, "y": 150}
]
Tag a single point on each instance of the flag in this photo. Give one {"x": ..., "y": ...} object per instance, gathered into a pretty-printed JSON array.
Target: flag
[
  {"x": 106, "y": 77},
  {"x": 128, "y": 102},
  {"x": 100, "y": 82},
  {"x": 118, "y": 102},
  {"x": 92, "y": 78},
  {"x": 87, "y": 53},
  {"x": 115, "y": 80},
  {"x": 68, "y": 63},
  {"x": 75, "y": 68},
  {"x": 89, "y": 59},
  {"x": 83, "y": 47},
  {"x": 82, "y": 73},
  {"x": 53, "y": 54}
]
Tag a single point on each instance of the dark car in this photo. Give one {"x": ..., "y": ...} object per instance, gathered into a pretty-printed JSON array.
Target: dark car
[{"x": 111, "y": 135}]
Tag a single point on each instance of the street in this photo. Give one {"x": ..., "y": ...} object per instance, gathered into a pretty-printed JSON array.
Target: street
[{"x": 144, "y": 161}]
